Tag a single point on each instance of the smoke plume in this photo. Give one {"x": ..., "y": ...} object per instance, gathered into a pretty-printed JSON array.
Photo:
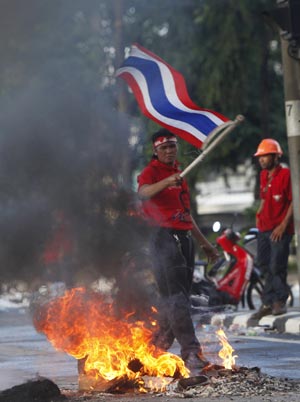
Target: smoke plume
[{"x": 62, "y": 154}]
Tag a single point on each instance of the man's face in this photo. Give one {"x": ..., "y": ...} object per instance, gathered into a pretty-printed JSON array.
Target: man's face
[
  {"x": 268, "y": 161},
  {"x": 167, "y": 152}
]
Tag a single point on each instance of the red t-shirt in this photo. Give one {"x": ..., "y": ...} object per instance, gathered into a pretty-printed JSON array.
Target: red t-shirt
[
  {"x": 277, "y": 196},
  {"x": 171, "y": 207}
]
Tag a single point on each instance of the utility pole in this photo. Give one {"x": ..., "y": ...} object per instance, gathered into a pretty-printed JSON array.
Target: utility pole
[
  {"x": 291, "y": 72},
  {"x": 287, "y": 17}
]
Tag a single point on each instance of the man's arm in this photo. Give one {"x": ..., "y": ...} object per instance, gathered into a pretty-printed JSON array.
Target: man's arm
[
  {"x": 148, "y": 191},
  {"x": 278, "y": 232}
]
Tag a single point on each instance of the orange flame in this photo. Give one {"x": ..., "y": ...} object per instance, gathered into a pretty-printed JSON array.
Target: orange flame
[
  {"x": 81, "y": 324},
  {"x": 226, "y": 353}
]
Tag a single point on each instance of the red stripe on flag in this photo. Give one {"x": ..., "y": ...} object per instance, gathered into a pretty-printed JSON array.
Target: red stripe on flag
[{"x": 140, "y": 99}]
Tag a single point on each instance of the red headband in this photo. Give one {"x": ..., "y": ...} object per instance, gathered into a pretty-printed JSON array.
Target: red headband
[{"x": 162, "y": 140}]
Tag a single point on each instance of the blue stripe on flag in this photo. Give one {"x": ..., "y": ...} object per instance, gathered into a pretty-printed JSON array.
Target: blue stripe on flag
[{"x": 159, "y": 100}]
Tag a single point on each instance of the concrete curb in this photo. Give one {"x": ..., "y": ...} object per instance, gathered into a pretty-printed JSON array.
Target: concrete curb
[
  {"x": 285, "y": 323},
  {"x": 288, "y": 323}
]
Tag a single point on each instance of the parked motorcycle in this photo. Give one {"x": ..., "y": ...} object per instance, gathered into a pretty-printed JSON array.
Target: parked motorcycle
[
  {"x": 256, "y": 283},
  {"x": 234, "y": 279}
]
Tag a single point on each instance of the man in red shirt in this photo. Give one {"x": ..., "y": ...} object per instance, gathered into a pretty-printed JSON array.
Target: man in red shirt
[
  {"x": 166, "y": 206},
  {"x": 275, "y": 224}
]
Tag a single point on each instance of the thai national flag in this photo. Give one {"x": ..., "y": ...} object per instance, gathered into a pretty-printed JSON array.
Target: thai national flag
[{"x": 162, "y": 96}]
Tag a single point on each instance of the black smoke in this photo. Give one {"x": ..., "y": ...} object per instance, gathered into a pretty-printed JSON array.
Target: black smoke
[
  {"x": 63, "y": 149},
  {"x": 66, "y": 204}
]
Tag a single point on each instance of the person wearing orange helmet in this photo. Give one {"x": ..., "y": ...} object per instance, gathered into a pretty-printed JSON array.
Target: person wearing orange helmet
[{"x": 274, "y": 219}]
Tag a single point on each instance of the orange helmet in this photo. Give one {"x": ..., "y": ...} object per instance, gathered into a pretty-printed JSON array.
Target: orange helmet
[{"x": 268, "y": 146}]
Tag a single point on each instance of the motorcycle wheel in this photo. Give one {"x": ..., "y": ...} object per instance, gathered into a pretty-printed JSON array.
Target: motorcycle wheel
[{"x": 254, "y": 293}]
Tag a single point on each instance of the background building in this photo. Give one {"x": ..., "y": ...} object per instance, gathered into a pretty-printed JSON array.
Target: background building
[{"x": 226, "y": 197}]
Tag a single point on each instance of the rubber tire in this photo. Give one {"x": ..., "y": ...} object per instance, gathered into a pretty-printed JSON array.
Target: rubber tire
[{"x": 258, "y": 286}]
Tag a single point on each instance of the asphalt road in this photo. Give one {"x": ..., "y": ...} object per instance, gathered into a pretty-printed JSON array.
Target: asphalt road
[{"x": 25, "y": 354}]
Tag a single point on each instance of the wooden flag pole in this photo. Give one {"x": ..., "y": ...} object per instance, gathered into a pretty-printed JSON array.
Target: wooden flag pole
[{"x": 238, "y": 120}]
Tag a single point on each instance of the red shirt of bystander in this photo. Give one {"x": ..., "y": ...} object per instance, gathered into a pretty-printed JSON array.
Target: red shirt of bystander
[{"x": 277, "y": 196}]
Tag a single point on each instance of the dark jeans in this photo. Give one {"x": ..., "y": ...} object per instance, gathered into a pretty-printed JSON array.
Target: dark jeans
[
  {"x": 173, "y": 260},
  {"x": 272, "y": 259}
]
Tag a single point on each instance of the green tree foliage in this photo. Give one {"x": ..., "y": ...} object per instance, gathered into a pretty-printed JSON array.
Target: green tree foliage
[
  {"x": 229, "y": 55},
  {"x": 239, "y": 66}
]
